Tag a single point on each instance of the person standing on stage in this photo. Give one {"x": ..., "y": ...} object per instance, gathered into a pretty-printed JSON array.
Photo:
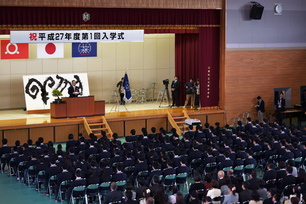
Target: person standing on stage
[
  {"x": 280, "y": 106},
  {"x": 260, "y": 108},
  {"x": 121, "y": 91},
  {"x": 73, "y": 90},
  {"x": 175, "y": 90},
  {"x": 198, "y": 93},
  {"x": 190, "y": 91}
]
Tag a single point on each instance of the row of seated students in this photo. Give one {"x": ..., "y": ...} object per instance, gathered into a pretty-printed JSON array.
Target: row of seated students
[{"x": 151, "y": 151}]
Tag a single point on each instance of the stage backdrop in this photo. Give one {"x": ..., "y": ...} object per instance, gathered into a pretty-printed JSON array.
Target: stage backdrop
[{"x": 38, "y": 88}]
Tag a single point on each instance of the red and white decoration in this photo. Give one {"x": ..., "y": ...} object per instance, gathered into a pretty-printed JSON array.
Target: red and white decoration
[
  {"x": 14, "y": 51},
  {"x": 50, "y": 50}
]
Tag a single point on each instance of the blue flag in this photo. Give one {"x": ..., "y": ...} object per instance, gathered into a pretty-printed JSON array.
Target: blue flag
[
  {"x": 84, "y": 49},
  {"x": 127, "y": 91}
]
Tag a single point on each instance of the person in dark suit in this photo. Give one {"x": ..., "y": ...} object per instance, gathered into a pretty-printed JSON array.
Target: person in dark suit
[
  {"x": 65, "y": 175},
  {"x": 254, "y": 180},
  {"x": 119, "y": 176},
  {"x": 73, "y": 90},
  {"x": 121, "y": 91},
  {"x": 114, "y": 195},
  {"x": 168, "y": 171},
  {"x": 260, "y": 108},
  {"x": 140, "y": 166},
  {"x": 182, "y": 169},
  {"x": 246, "y": 194},
  {"x": 271, "y": 193},
  {"x": 71, "y": 142},
  {"x": 270, "y": 173},
  {"x": 91, "y": 150},
  {"x": 51, "y": 171},
  {"x": 175, "y": 90},
  {"x": 280, "y": 106},
  {"x": 287, "y": 180},
  {"x": 79, "y": 181}
]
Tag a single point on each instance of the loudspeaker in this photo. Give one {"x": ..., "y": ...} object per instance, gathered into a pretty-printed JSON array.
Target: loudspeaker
[{"x": 256, "y": 11}]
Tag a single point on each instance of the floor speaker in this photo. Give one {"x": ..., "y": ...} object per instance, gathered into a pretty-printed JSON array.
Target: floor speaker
[{"x": 256, "y": 11}]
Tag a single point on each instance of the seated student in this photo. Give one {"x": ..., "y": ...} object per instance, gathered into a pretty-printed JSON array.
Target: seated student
[
  {"x": 245, "y": 194},
  {"x": 41, "y": 141},
  {"x": 270, "y": 173},
  {"x": 82, "y": 146},
  {"x": 140, "y": 166},
  {"x": 227, "y": 162},
  {"x": 114, "y": 195},
  {"x": 154, "y": 184},
  {"x": 176, "y": 158},
  {"x": 270, "y": 195},
  {"x": 4, "y": 150},
  {"x": 38, "y": 149},
  {"x": 116, "y": 158},
  {"x": 51, "y": 171},
  {"x": 104, "y": 152},
  {"x": 119, "y": 176},
  {"x": 289, "y": 179},
  {"x": 79, "y": 181},
  {"x": 250, "y": 159},
  {"x": 193, "y": 198},
  {"x": 20, "y": 158},
  {"x": 91, "y": 149},
  {"x": 291, "y": 163},
  {"x": 50, "y": 148},
  {"x": 155, "y": 171},
  {"x": 128, "y": 161},
  {"x": 168, "y": 171},
  {"x": 134, "y": 137},
  {"x": 281, "y": 173},
  {"x": 288, "y": 155},
  {"x": 71, "y": 142},
  {"x": 72, "y": 156},
  {"x": 167, "y": 144},
  {"x": 215, "y": 191},
  {"x": 145, "y": 141},
  {"x": 182, "y": 169},
  {"x": 209, "y": 159},
  {"x": 255, "y": 198},
  {"x": 65, "y": 175},
  {"x": 194, "y": 153},
  {"x": 140, "y": 188}
]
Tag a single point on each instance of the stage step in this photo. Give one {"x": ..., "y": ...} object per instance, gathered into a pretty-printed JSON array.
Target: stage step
[
  {"x": 98, "y": 129},
  {"x": 96, "y": 124},
  {"x": 180, "y": 122},
  {"x": 179, "y": 118}
]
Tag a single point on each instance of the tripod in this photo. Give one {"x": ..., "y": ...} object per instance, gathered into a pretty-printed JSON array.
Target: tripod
[
  {"x": 166, "y": 91},
  {"x": 116, "y": 106}
]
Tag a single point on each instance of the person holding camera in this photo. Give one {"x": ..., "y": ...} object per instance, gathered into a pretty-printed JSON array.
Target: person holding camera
[
  {"x": 190, "y": 92},
  {"x": 175, "y": 90}
]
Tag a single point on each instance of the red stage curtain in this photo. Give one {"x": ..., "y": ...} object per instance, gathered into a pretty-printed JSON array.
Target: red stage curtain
[
  {"x": 186, "y": 59},
  {"x": 209, "y": 53},
  {"x": 50, "y": 16}
]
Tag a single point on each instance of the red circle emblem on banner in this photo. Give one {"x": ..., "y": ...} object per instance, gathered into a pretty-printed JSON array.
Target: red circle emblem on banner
[{"x": 50, "y": 48}]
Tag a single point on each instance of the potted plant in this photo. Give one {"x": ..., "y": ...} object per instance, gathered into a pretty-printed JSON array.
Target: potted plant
[{"x": 57, "y": 93}]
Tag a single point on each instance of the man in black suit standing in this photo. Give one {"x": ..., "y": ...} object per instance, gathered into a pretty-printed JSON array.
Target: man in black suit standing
[
  {"x": 280, "y": 106},
  {"x": 73, "y": 90},
  {"x": 175, "y": 90},
  {"x": 121, "y": 91},
  {"x": 260, "y": 108},
  {"x": 114, "y": 195}
]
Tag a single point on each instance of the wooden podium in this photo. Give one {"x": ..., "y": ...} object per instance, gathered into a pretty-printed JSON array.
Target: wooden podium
[{"x": 77, "y": 107}]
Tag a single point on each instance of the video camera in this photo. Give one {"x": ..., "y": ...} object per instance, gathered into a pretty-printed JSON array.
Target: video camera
[{"x": 166, "y": 82}]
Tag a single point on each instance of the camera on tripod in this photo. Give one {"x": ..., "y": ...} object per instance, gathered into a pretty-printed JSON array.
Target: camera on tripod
[{"x": 166, "y": 82}]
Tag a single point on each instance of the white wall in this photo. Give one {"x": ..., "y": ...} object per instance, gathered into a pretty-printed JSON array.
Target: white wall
[
  {"x": 150, "y": 61},
  {"x": 272, "y": 31}
]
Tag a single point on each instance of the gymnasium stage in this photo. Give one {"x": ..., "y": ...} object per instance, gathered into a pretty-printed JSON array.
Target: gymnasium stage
[{"x": 18, "y": 125}]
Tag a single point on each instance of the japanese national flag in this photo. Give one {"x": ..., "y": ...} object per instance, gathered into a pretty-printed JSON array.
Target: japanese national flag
[{"x": 50, "y": 50}]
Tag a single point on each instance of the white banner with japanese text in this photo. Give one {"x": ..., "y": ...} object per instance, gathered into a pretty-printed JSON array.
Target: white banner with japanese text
[{"x": 70, "y": 36}]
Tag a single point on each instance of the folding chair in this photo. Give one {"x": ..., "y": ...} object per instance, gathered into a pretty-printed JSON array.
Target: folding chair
[
  {"x": 210, "y": 167},
  {"x": 169, "y": 180},
  {"x": 3, "y": 161},
  {"x": 247, "y": 171},
  {"x": 217, "y": 200},
  {"x": 20, "y": 169},
  {"x": 227, "y": 168},
  {"x": 12, "y": 164},
  {"x": 121, "y": 184},
  {"x": 62, "y": 189},
  {"x": 129, "y": 170},
  {"x": 78, "y": 193},
  {"x": 270, "y": 183},
  {"x": 92, "y": 191},
  {"x": 195, "y": 163},
  {"x": 51, "y": 184},
  {"x": 143, "y": 174},
  {"x": 298, "y": 162},
  {"x": 238, "y": 170},
  {"x": 183, "y": 176},
  {"x": 40, "y": 179},
  {"x": 104, "y": 190},
  {"x": 31, "y": 174}
]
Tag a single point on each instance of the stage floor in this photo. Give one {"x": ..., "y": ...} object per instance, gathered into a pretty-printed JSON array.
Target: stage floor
[{"x": 21, "y": 114}]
